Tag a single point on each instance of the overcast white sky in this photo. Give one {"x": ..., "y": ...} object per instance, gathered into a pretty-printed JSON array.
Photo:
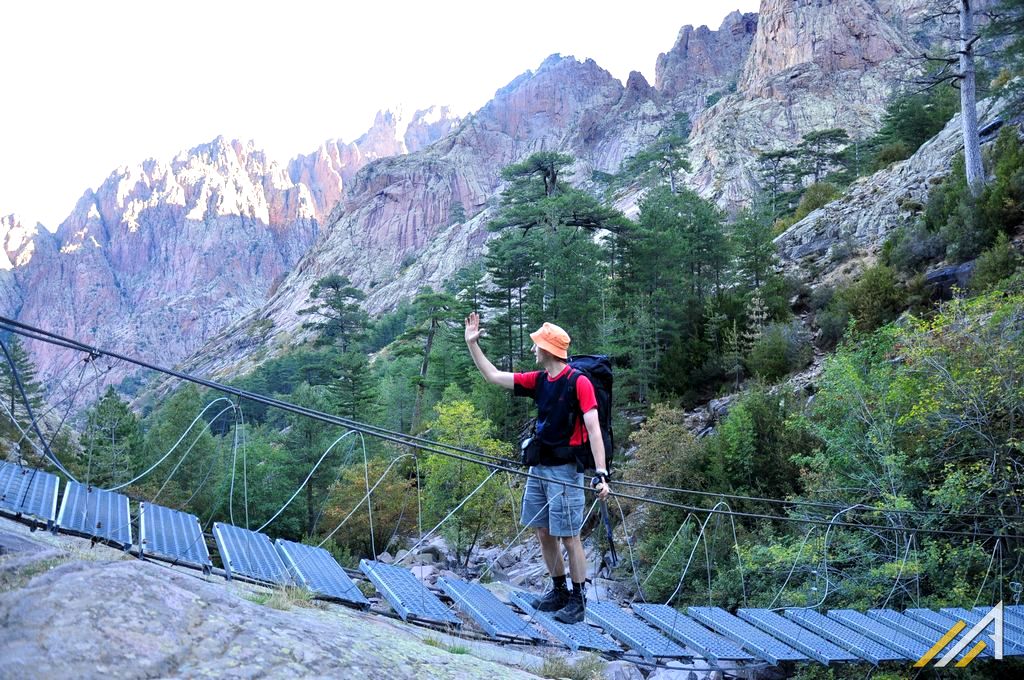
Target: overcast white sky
[{"x": 88, "y": 86}]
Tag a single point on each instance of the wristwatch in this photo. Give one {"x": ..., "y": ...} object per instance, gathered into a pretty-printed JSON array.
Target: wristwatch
[{"x": 600, "y": 476}]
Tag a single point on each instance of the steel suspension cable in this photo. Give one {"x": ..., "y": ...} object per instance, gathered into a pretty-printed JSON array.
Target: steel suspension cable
[
  {"x": 435, "y": 447},
  {"x": 28, "y": 409},
  {"x": 180, "y": 439}
]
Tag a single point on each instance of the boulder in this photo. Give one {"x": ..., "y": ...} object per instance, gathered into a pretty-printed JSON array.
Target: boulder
[
  {"x": 622, "y": 670},
  {"x": 941, "y": 282},
  {"x": 425, "y": 573}
]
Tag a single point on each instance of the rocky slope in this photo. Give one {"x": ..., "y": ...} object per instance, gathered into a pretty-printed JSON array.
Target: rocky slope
[{"x": 823, "y": 244}]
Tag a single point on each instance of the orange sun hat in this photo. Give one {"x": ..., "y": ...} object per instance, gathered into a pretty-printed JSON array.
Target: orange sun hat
[{"x": 553, "y": 339}]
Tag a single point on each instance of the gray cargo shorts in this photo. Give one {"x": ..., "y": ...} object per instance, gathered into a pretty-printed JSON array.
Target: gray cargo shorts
[{"x": 549, "y": 503}]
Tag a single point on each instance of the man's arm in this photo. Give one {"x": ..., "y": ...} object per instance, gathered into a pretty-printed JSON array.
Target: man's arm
[
  {"x": 593, "y": 424},
  {"x": 483, "y": 364}
]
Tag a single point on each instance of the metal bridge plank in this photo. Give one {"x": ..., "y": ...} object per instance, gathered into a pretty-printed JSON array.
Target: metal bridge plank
[
  {"x": 678, "y": 626},
  {"x": 830, "y": 629},
  {"x": 406, "y": 595},
  {"x": 28, "y": 491},
  {"x": 173, "y": 535},
  {"x": 575, "y": 636},
  {"x": 96, "y": 512},
  {"x": 314, "y": 568},
  {"x": 811, "y": 644},
  {"x": 249, "y": 554},
  {"x": 636, "y": 635},
  {"x": 745, "y": 635},
  {"x": 911, "y": 648},
  {"x": 490, "y": 613}
]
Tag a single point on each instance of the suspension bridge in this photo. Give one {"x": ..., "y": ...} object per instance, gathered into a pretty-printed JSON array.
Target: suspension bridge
[{"x": 642, "y": 631}]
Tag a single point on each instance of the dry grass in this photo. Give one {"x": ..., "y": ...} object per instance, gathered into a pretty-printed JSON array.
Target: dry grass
[
  {"x": 285, "y": 598},
  {"x": 589, "y": 667},
  {"x": 451, "y": 649}
]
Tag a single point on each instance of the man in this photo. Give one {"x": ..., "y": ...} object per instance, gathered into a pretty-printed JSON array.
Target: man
[{"x": 553, "y": 500}]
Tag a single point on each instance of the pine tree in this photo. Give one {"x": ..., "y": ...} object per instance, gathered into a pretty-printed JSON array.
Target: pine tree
[
  {"x": 432, "y": 312},
  {"x": 198, "y": 452},
  {"x": 821, "y": 152},
  {"x": 354, "y": 389},
  {"x": 732, "y": 359},
  {"x": 9, "y": 392},
  {"x": 779, "y": 173},
  {"x": 341, "y": 320},
  {"x": 537, "y": 196},
  {"x": 663, "y": 159},
  {"x": 511, "y": 262},
  {"x": 112, "y": 441},
  {"x": 754, "y": 249},
  {"x": 306, "y": 441}
]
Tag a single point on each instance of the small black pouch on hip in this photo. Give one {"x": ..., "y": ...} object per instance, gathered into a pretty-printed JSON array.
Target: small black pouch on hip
[{"x": 529, "y": 449}]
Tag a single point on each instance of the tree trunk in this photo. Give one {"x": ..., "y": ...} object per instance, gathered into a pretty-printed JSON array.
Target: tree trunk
[
  {"x": 968, "y": 105},
  {"x": 309, "y": 507},
  {"x": 421, "y": 388}
]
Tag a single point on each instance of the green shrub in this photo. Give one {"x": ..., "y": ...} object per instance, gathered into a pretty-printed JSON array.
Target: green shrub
[
  {"x": 750, "y": 452},
  {"x": 994, "y": 265},
  {"x": 814, "y": 197},
  {"x": 781, "y": 349},
  {"x": 873, "y": 301},
  {"x": 911, "y": 249},
  {"x": 891, "y": 153},
  {"x": 970, "y": 224},
  {"x": 876, "y": 299}
]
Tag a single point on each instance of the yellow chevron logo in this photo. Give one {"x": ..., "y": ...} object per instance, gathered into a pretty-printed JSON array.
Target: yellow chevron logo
[{"x": 994, "y": 616}]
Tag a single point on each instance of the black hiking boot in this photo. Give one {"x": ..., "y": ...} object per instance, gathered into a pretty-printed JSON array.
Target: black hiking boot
[
  {"x": 553, "y": 600},
  {"x": 573, "y": 610}
]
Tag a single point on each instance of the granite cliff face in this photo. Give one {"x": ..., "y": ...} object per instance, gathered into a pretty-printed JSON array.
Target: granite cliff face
[
  {"x": 164, "y": 254},
  {"x": 705, "y": 62},
  {"x": 813, "y": 64}
]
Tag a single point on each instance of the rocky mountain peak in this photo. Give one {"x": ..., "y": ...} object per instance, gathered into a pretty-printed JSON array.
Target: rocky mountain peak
[
  {"x": 703, "y": 61},
  {"x": 329, "y": 170},
  {"x": 545, "y": 105},
  {"x": 429, "y": 125},
  {"x": 833, "y": 35},
  {"x": 17, "y": 241}
]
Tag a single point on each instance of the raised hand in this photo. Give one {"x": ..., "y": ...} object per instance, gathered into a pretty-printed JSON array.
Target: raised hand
[{"x": 472, "y": 328}]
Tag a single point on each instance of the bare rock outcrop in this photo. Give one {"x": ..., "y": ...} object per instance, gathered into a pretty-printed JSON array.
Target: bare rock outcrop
[
  {"x": 857, "y": 224},
  {"x": 813, "y": 64},
  {"x": 328, "y": 170},
  {"x": 705, "y": 62},
  {"x": 427, "y": 126},
  {"x": 17, "y": 242},
  {"x": 73, "y": 614}
]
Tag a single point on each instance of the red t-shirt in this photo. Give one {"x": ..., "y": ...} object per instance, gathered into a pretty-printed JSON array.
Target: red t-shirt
[{"x": 584, "y": 394}]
